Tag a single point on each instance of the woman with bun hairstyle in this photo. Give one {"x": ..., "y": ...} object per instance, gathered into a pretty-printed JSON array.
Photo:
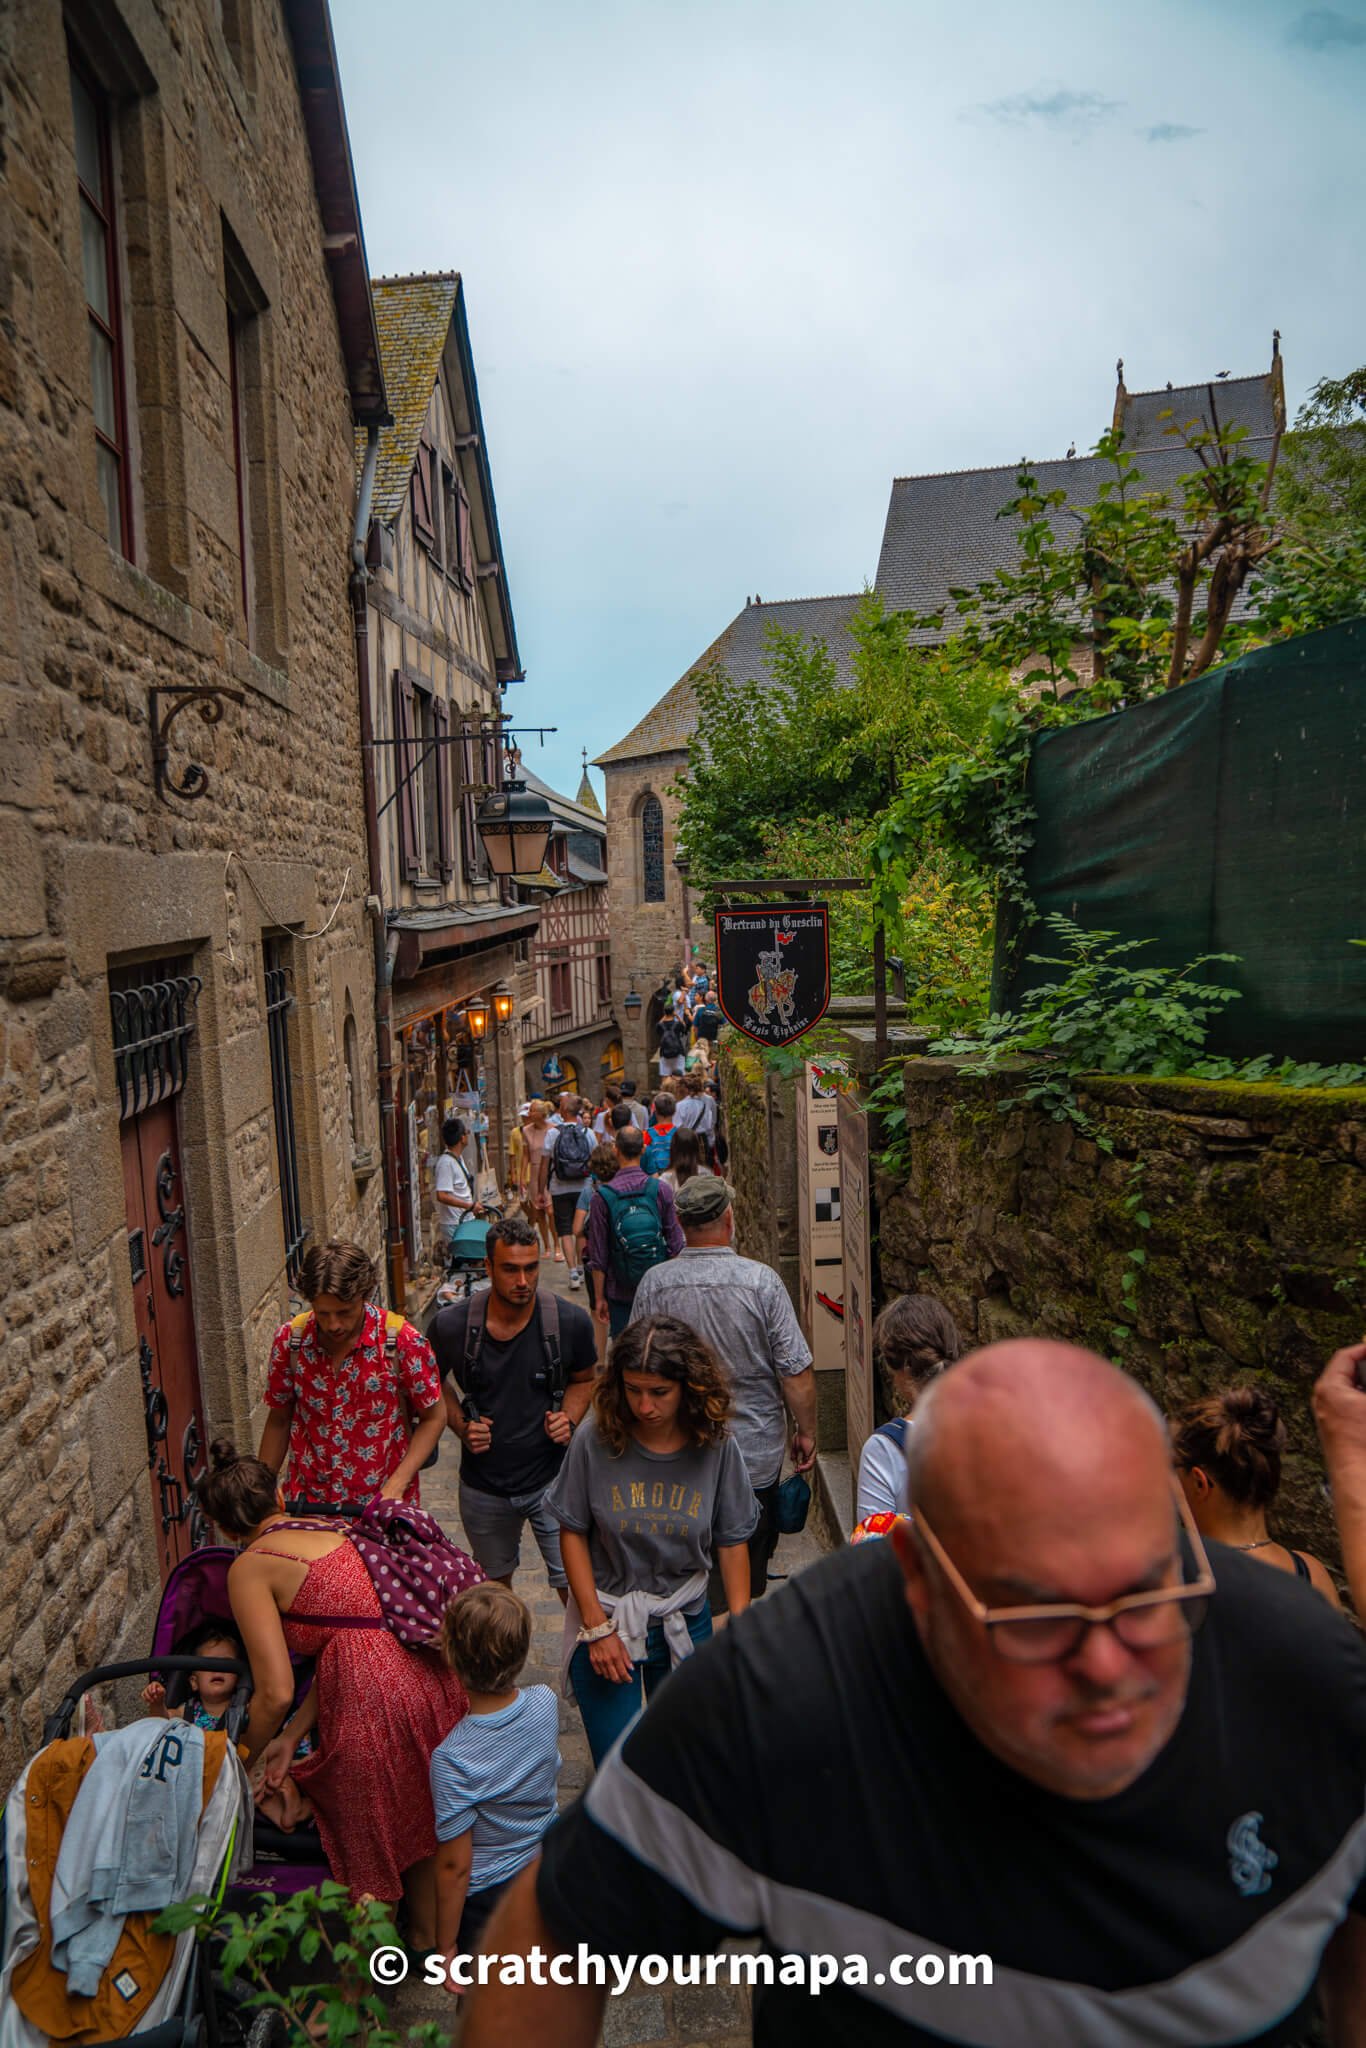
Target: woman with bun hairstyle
[
  {"x": 378, "y": 1708},
  {"x": 1227, "y": 1448}
]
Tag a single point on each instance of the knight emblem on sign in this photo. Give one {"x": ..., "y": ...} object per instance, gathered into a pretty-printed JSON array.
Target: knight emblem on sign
[
  {"x": 775, "y": 992},
  {"x": 773, "y": 969}
]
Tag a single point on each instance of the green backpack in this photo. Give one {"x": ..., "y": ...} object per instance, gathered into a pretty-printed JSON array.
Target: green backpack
[{"x": 635, "y": 1232}]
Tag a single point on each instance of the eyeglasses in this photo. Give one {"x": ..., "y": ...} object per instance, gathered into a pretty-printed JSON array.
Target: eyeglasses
[{"x": 1050, "y": 1633}]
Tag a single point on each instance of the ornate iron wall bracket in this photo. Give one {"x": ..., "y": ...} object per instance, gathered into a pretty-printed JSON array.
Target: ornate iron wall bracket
[{"x": 209, "y": 700}]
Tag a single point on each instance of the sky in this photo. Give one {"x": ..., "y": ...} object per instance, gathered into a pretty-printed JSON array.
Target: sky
[{"x": 730, "y": 268}]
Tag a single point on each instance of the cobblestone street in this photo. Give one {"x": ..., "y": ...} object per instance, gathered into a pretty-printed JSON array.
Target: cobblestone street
[{"x": 678, "y": 2015}]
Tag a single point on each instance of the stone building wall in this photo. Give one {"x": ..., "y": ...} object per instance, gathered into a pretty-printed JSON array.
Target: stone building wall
[
  {"x": 649, "y": 940},
  {"x": 213, "y": 170},
  {"x": 1252, "y": 1267}
]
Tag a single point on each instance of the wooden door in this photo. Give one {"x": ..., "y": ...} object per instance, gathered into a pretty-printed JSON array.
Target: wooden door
[{"x": 168, "y": 1359}]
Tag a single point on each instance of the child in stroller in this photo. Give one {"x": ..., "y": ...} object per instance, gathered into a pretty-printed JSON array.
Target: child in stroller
[{"x": 207, "y": 1707}]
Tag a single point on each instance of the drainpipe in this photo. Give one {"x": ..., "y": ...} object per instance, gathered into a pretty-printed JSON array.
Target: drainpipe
[{"x": 395, "y": 1266}]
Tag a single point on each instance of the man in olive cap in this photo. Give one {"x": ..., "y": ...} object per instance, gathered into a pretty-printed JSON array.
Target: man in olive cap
[{"x": 742, "y": 1310}]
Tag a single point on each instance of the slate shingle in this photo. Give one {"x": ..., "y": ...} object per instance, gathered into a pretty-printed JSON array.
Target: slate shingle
[{"x": 742, "y": 650}]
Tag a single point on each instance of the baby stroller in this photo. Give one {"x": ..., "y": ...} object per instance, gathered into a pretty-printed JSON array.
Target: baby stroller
[
  {"x": 176, "y": 1997},
  {"x": 195, "y": 1592},
  {"x": 194, "y": 2006}
]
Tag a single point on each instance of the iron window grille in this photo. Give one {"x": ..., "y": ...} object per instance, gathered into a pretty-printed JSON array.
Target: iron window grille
[
  {"x": 279, "y": 1004},
  {"x": 152, "y": 1026}
]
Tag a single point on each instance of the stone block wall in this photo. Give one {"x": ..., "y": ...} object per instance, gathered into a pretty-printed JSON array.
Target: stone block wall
[
  {"x": 96, "y": 872},
  {"x": 1254, "y": 1264},
  {"x": 649, "y": 940}
]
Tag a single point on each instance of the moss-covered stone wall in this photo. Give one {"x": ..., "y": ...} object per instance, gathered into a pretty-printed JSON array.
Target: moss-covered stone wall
[
  {"x": 1253, "y": 1264},
  {"x": 760, "y": 1124}
]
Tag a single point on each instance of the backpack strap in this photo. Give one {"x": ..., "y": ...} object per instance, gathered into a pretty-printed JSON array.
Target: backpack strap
[
  {"x": 297, "y": 1325},
  {"x": 476, "y": 1315},
  {"x": 548, "y": 1307},
  {"x": 894, "y": 1431},
  {"x": 394, "y": 1325}
]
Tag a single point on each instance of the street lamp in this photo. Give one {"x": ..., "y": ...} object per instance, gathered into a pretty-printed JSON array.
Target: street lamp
[
  {"x": 631, "y": 1003},
  {"x": 515, "y": 826},
  {"x": 477, "y": 1018},
  {"x": 504, "y": 1002}
]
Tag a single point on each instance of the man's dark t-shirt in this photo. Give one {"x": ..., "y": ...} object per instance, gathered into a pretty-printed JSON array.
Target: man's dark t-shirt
[
  {"x": 509, "y": 1390},
  {"x": 804, "y": 1777}
]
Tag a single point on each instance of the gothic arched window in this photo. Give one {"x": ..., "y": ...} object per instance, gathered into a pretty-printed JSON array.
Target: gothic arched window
[{"x": 652, "y": 850}]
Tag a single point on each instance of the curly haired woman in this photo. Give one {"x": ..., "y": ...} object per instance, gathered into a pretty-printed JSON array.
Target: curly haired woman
[{"x": 652, "y": 1489}]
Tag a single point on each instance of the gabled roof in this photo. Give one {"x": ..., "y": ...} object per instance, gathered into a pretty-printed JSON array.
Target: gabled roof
[
  {"x": 742, "y": 650},
  {"x": 413, "y": 315},
  {"x": 576, "y": 816},
  {"x": 421, "y": 322},
  {"x": 943, "y": 531}
]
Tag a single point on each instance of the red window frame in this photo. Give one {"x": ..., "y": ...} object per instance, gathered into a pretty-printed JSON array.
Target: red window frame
[{"x": 105, "y": 211}]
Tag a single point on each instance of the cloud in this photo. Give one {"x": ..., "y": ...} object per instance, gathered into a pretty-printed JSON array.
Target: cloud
[
  {"x": 1170, "y": 131},
  {"x": 1323, "y": 28},
  {"x": 1063, "y": 108}
]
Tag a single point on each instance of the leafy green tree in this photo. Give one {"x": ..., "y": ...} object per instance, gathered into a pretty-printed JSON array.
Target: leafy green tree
[{"x": 1317, "y": 575}]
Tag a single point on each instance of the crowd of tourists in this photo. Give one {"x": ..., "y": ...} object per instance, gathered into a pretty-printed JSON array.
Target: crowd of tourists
[{"x": 1080, "y": 1709}]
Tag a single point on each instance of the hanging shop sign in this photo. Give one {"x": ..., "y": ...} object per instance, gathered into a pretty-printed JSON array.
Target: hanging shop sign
[{"x": 773, "y": 969}]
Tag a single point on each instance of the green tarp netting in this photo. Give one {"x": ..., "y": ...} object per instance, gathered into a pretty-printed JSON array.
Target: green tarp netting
[{"x": 1229, "y": 817}]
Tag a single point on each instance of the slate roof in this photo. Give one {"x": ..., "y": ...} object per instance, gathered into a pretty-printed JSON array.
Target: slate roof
[
  {"x": 742, "y": 650},
  {"x": 576, "y": 816},
  {"x": 1252, "y": 402},
  {"x": 942, "y": 530},
  {"x": 413, "y": 315}
]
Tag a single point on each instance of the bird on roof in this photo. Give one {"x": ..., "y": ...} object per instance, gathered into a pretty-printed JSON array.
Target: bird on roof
[
  {"x": 1222, "y": 373},
  {"x": 1072, "y": 452},
  {"x": 1169, "y": 383}
]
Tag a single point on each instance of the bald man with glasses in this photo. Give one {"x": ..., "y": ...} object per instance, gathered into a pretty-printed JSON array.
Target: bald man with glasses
[{"x": 1039, "y": 1727}]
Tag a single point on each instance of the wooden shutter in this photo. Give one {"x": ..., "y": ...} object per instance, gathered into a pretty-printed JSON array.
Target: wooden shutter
[
  {"x": 466, "y": 542},
  {"x": 445, "y": 808},
  {"x": 424, "y": 525},
  {"x": 406, "y": 782},
  {"x": 473, "y": 771}
]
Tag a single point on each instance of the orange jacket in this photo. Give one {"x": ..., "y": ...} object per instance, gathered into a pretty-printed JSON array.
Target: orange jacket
[{"x": 141, "y": 1958}]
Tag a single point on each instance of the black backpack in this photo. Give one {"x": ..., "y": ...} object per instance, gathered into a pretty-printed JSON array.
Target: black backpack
[
  {"x": 552, "y": 1376},
  {"x": 571, "y": 1152},
  {"x": 671, "y": 1039}
]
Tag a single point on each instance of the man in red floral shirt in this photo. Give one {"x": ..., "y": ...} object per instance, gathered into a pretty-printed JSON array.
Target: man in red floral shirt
[{"x": 341, "y": 1388}]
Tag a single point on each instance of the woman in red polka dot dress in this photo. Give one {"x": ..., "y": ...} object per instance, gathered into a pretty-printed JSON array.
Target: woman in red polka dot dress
[{"x": 376, "y": 1709}]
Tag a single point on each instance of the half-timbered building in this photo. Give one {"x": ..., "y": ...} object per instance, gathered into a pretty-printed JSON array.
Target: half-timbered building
[
  {"x": 437, "y": 649},
  {"x": 571, "y": 1038}
]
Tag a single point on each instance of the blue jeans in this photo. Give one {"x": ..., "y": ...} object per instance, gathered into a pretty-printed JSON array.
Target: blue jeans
[{"x": 608, "y": 1707}]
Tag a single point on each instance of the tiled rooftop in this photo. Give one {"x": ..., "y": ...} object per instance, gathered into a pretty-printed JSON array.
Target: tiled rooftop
[
  {"x": 943, "y": 530},
  {"x": 742, "y": 650},
  {"x": 413, "y": 315}
]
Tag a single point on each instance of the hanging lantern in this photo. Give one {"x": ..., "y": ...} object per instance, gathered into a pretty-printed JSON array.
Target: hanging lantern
[
  {"x": 504, "y": 1003},
  {"x": 515, "y": 826},
  {"x": 477, "y": 1018}
]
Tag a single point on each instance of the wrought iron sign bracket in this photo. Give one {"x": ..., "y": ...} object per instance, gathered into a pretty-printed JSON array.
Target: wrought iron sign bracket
[{"x": 209, "y": 699}]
